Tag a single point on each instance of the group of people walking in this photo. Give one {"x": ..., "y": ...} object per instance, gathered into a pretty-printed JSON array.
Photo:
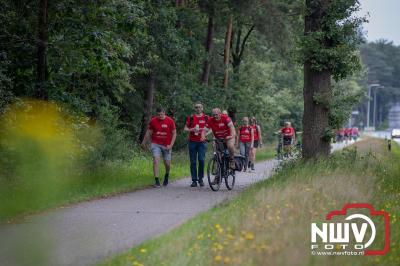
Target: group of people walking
[
  {"x": 347, "y": 134},
  {"x": 161, "y": 133}
]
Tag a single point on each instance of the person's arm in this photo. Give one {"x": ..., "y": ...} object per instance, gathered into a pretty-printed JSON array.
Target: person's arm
[
  {"x": 237, "y": 138},
  {"x": 294, "y": 136},
  {"x": 204, "y": 133},
  {"x": 232, "y": 130},
  {"x": 259, "y": 135},
  {"x": 146, "y": 137},
  {"x": 186, "y": 128},
  {"x": 252, "y": 138},
  {"x": 172, "y": 140}
]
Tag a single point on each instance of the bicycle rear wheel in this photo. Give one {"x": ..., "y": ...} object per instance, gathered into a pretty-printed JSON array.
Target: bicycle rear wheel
[
  {"x": 214, "y": 171},
  {"x": 230, "y": 179}
]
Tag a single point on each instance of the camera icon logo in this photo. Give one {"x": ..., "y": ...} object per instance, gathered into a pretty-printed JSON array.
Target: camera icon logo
[{"x": 335, "y": 236}]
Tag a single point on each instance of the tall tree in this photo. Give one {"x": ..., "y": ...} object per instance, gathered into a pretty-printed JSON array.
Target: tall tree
[
  {"x": 41, "y": 51},
  {"x": 329, "y": 45},
  {"x": 228, "y": 37},
  {"x": 209, "y": 49},
  {"x": 148, "y": 104},
  {"x": 240, "y": 44}
]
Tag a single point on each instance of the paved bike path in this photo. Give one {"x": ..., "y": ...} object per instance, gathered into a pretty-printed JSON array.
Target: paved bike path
[{"x": 88, "y": 232}]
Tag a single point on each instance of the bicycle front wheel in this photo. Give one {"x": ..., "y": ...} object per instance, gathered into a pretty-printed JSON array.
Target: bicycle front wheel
[
  {"x": 230, "y": 179},
  {"x": 214, "y": 174}
]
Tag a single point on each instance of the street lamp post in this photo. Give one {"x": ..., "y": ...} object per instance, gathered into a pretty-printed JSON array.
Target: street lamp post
[
  {"x": 369, "y": 101},
  {"x": 374, "y": 114}
]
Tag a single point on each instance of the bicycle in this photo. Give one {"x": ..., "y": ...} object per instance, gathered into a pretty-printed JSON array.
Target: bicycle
[
  {"x": 283, "y": 151},
  {"x": 218, "y": 167},
  {"x": 279, "y": 146}
]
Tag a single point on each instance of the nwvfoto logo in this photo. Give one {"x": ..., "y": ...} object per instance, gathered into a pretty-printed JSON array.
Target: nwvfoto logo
[{"x": 336, "y": 235}]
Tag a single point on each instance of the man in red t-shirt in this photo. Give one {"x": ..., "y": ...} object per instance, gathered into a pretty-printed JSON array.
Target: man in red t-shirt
[
  {"x": 197, "y": 147},
  {"x": 162, "y": 132},
  {"x": 222, "y": 128},
  {"x": 245, "y": 140}
]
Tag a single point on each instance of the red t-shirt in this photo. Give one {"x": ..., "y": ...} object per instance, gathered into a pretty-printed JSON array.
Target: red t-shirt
[
  {"x": 162, "y": 130},
  {"x": 255, "y": 130},
  {"x": 196, "y": 120},
  {"x": 220, "y": 127},
  {"x": 287, "y": 131},
  {"x": 347, "y": 131},
  {"x": 245, "y": 133}
]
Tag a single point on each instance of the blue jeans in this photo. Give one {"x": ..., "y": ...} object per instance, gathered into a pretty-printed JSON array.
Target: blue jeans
[
  {"x": 197, "y": 152},
  {"x": 245, "y": 151}
]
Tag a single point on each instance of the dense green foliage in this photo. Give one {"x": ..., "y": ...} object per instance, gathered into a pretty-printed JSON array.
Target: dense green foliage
[
  {"x": 100, "y": 54},
  {"x": 334, "y": 46}
]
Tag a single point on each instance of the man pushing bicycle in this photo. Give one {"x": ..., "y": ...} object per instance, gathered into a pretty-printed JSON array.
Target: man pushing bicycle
[{"x": 222, "y": 128}]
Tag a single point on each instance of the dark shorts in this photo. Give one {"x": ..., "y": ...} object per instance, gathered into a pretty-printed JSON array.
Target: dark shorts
[
  {"x": 255, "y": 144},
  {"x": 287, "y": 141}
]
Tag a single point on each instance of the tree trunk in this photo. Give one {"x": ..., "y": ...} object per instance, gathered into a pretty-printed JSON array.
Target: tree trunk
[
  {"x": 236, "y": 60},
  {"x": 41, "y": 67},
  {"x": 317, "y": 93},
  {"x": 228, "y": 37},
  {"x": 148, "y": 105},
  {"x": 209, "y": 48},
  {"x": 237, "y": 55}
]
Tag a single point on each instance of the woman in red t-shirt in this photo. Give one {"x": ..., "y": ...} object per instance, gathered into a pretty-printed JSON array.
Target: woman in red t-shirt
[
  {"x": 257, "y": 141},
  {"x": 245, "y": 140},
  {"x": 288, "y": 135}
]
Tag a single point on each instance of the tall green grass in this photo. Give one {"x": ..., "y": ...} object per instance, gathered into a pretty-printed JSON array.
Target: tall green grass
[
  {"x": 108, "y": 179},
  {"x": 269, "y": 223}
]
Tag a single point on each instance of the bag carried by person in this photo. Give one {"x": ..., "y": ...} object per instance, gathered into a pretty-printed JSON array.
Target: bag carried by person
[{"x": 239, "y": 162}]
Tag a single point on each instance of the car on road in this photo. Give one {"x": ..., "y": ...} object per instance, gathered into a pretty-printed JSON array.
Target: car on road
[{"x": 395, "y": 133}]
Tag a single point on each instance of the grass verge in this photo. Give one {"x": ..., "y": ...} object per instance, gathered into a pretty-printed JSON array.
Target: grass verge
[
  {"x": 269, "y": 224},
  {"x": 20, "y": 197}
]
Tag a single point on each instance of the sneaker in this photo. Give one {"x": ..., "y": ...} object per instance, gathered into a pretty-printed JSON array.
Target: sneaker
[
  {"x": 165, "y": 182},
  {"x": 201, "y": 183},
  {"x": 252, "y": 166},
  {"x": 194, "y": 184},
  {"x": 157, "y": 182},
  {"x": 232, "y": 164}
]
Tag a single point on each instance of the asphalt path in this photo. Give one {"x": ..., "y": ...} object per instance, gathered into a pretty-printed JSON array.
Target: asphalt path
[
  {"x": 88, "y": 232},
  {"x": 382, "y": 135}
]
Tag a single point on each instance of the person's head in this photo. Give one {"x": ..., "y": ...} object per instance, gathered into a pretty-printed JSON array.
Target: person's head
[
  {"x": 216, "y": 113},
  {"x": 198, "y": 107},
  {"x": 253, "y": 121},
  {"x": 160, "y": 112},
  {"x": 245, "y": 121},
  {"x": 288, "y": 124}
]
